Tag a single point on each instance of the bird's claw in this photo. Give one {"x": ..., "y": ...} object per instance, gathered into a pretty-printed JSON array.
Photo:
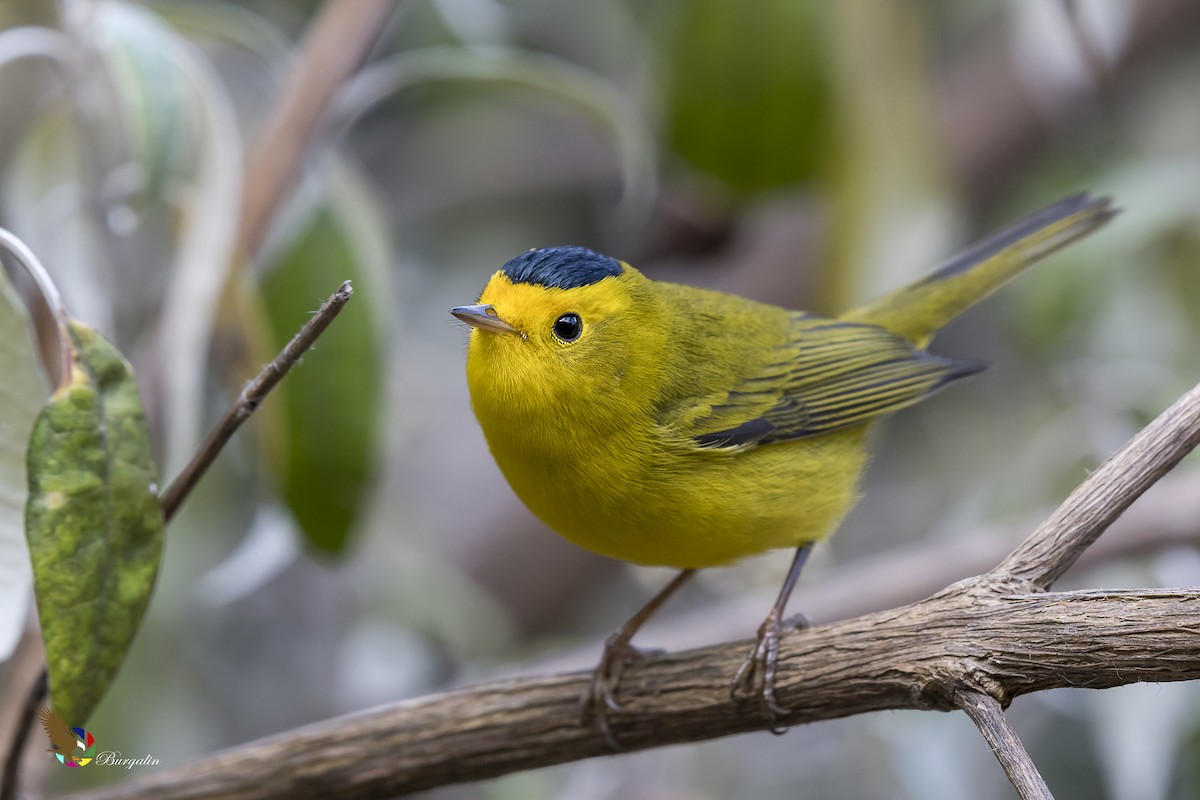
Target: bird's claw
[
  {"x": 600, "y": 698},
  {"x": 756, "y": 675}
]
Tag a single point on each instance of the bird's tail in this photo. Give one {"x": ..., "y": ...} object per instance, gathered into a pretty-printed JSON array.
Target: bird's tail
[{"x": 917, "y": 311}]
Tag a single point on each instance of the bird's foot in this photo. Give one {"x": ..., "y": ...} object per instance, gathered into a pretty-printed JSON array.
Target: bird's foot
[
  {"x": 600, "y": 698},
  {"x": 756, "y": 675}
]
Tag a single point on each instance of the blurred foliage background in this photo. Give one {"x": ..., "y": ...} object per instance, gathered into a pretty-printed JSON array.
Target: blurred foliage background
[{"x": 358, "y": 545}]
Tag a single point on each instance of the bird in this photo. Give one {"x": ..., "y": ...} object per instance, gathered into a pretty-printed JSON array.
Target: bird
[
  {"x": 668, "y": 425},
  {"x": 63, "y": 740}
]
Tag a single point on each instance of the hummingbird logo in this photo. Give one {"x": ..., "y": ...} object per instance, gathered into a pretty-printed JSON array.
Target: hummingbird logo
[{"x": 65, "y": 741}]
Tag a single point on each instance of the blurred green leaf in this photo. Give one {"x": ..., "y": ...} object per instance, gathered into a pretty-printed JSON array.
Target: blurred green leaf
[
  {"x": 24, "y": 391},
  {"x": 330, "y": 444},
  {"x": 93, "y": 522},
  {"x": 141, "y": 53},
  {"x": 749, "y": 90}
]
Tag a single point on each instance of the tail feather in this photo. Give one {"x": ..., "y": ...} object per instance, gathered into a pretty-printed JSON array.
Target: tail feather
[{"x": 920, "y": 309}]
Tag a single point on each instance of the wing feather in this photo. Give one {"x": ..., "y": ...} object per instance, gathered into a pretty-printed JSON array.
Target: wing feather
[{"x": 824, "y": 375}]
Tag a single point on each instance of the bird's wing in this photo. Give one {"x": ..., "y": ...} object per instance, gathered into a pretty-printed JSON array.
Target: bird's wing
[
  {"x": 824, "y": 375},
  {"x": 59, "y": 732}
]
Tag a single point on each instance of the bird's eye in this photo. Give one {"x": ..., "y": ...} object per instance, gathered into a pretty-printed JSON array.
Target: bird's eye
[{"x": 568, "y": 327}]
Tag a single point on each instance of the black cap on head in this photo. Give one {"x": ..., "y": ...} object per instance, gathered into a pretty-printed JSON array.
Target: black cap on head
[{"x": 561, "y": 267}]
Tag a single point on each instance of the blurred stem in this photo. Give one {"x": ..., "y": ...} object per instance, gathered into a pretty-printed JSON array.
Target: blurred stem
[
  {"x": 12, "y": 763},
  {"x": 46, "y": 311},
  {"x": 1097, "y": 67},
  {"x": 890, "y": 215},
  {"x": 336, "y": 44}
]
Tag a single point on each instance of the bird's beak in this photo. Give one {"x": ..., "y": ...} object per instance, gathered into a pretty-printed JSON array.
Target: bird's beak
[{"x": 483, "y": 317}]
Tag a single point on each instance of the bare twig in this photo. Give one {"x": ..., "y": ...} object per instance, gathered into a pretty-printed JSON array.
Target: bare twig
[
  {"x": 336, "y": 43},
  {"x": 1107, "y": 492},
  {"x": 171, "y": 500},
  {"x": 985, "y": 711},
  {"x": 250, "y": 398}
]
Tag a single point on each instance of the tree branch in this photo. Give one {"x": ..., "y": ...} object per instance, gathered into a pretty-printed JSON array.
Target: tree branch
[
  {"x": 988, "y": 716},
  {"x": 979, "y": 633},
  {"x": 1100, "y": 499},
  {"x": 1168, "y": 516},
  {"x": 916, "y": 657}
]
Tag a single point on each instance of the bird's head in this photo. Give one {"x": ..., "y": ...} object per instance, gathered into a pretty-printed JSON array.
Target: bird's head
[{"x": 560, "y": 324}]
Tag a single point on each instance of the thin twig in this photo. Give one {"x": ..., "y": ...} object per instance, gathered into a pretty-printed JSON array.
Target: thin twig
[
  {"x": 12, "y": 763},
  {"x": 985, "y": 711},
  {"x": 177, "y": 492},
  {"x": 250, "y": 398},
  {"x": 336, "y": 43},
  {"x": 1104, "y": 495}
]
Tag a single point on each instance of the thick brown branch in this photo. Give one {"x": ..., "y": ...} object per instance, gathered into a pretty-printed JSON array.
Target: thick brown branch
[
  {"x": 1168, "y": 516},
  {"x": 985, "y": 711},
  {"x": 913, "y": 657},
  {"x": 978, "y": 632},
  {"x": 1105, "y": 494}
]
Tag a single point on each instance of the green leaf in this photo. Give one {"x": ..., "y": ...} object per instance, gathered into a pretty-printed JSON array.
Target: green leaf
[
  {"x": 329, "y": 436},
  {"x": 749, "y": 90},
  {"x": 93, "y": 522},
  {"x": 21, "y": 397}
]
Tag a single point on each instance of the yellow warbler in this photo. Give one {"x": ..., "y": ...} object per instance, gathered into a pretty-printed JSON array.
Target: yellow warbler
[{"x": 669, "y": 425}]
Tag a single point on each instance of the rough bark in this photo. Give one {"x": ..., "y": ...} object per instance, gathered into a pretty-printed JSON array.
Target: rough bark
[{"x": 997, "y": 636}]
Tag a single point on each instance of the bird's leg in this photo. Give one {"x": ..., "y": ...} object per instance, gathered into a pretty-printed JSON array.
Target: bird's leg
[
  {"x": 757, "y": 672},
  {"x": 600, "y": 697}
]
